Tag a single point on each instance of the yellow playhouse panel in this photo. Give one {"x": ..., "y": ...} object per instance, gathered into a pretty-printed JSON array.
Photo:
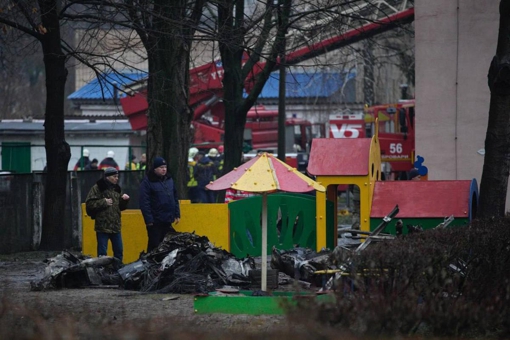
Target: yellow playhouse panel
[{"x": 209, "y": 220}]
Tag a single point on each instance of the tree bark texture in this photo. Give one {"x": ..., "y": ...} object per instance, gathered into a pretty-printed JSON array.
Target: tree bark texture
[
  {"x": 496, "y": 167},
  {"x": 58, "y": 152},
  {"x": 236, "y": 75},
  {"x": 169, "y": 116},
  {"x": 231, "y": 50}
]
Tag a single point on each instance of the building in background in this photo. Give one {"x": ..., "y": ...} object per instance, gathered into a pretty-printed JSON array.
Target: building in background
[
  {"x": 22, "y": 142},
  {"x": 455, "y": 43}
]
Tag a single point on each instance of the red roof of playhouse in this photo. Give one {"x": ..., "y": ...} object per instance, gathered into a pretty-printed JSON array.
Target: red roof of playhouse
[
  {"x": 339, "y": 157},
  {"x": 422, "y": 199}
]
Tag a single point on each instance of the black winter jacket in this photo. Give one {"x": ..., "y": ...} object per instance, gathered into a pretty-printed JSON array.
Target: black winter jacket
[
  {"x": 158, "y": 199},
  {"x": 204, "y": 171}
]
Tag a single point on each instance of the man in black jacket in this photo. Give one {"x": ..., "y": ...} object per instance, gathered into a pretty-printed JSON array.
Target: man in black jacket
[{"x": 158, "y": 203}]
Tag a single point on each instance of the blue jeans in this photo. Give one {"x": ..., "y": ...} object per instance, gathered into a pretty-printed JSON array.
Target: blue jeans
[{"x": 102, "y": 244}]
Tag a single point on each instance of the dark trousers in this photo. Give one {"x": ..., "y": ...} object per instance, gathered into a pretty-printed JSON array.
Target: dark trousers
[
  {"x": 205, "y": 196},
  {"x": 193, "y": 194},
  {"x": 156, "y": 234},
  {"x": 102, "y": 244}
]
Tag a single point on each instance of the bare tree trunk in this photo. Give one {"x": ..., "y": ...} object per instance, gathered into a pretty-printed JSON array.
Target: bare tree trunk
[
  {"x": 231, "y": 50},
  {"x": 231, "y": 44},
  {"x": 58, "y": 152},
  {"x": 169, "y": 118},
  {"x": 283, "y": 21},
  {"x": 235, "y": 120},
  {"x": 496, "y": 167}
]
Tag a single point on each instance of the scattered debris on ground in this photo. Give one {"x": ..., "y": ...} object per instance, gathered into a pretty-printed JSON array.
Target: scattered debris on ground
[{"x": 187, "y": 263}]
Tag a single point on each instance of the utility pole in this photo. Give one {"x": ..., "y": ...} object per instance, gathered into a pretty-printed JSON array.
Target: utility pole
[{"x": 282, "y": 23}]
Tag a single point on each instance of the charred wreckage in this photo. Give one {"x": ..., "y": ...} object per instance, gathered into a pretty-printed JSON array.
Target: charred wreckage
[
  {"x": 183, "y": 263},
  {"x": 187, "y": 263}
]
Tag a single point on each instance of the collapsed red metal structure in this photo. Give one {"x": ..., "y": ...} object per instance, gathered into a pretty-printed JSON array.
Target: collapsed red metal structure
[{"x": 206, "y": 89}]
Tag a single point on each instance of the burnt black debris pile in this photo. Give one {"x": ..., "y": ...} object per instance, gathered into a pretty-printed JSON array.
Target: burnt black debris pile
[
  {"x": 186, "y": 263},
  {"x": 182, "y": 263},
  {"x": 301, "y": 263},
  {"x": 67, "y": 270}
]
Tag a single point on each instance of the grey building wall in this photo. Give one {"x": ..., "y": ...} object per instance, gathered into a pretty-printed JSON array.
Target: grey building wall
[{"x": 455, "y": 42}]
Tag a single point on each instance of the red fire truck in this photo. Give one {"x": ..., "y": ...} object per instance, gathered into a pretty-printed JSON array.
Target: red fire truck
[{"x": 396, "y": 131}]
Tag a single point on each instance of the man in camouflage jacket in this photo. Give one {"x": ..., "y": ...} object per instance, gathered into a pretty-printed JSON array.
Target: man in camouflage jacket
[{"x": 106, "y": 200}]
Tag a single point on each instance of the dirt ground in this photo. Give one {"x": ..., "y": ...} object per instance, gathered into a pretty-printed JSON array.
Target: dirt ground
[{"x": 93, "y": 309}]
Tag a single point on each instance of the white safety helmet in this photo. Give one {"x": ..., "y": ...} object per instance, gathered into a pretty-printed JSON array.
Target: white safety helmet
[
  {"x": 192, "y": 152},
  {"x": 213, "y": 153},
  {"x": 110, "y": 154},
  {"x": 86, "y": 153}
]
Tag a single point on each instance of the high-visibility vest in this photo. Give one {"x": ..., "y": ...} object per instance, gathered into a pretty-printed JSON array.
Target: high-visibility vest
[
  {"x": 131, "y": 166},
  {"x": 192, "y": 181}
]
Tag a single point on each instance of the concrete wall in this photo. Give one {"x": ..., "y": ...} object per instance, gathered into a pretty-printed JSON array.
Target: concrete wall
[{"x": 455, "y": 42}]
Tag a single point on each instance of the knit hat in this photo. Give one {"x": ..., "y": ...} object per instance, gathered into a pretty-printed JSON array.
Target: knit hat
[
  {"x": 110, "y": 172},
  {"x": 157, "y": 162}
]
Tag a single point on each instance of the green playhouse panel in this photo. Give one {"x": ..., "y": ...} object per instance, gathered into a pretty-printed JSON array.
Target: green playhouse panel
[{"x": 291, "y": 221}]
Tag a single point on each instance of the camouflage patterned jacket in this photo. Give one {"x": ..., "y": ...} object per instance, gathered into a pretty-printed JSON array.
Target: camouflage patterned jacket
[{"x": 107, "y": 217}]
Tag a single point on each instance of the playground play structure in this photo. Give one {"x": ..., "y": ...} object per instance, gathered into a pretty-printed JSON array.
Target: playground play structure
[{"x": 310, "y": 220}]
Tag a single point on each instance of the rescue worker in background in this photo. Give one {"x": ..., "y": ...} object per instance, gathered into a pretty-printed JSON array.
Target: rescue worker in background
[
  {"x": 92, "y": 165},
  {"x": 142, "y": 165},
  {"x": 131, "y": 165},
  {"x": 192, "y": 182},
  {"x": 109, "y": 161},
  {"x": 203, "y": 172},
  {"x": 83, "y": 162},
  {"x": 220, "y": 160},
  {"x": 214, "y": 157}
]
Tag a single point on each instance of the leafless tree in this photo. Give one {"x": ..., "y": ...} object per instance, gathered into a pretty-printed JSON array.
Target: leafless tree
[
  {"x": 40, "y": 20},
  {"x": 496, "y": 167},
  {"x": 260, "y": 35},
  {"x": 256, "y": 31},
  {"x": 160, "y": 33}
]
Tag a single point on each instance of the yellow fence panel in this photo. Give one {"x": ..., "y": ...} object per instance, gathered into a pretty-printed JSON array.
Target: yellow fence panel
[{"x": 209, "y": 220}]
